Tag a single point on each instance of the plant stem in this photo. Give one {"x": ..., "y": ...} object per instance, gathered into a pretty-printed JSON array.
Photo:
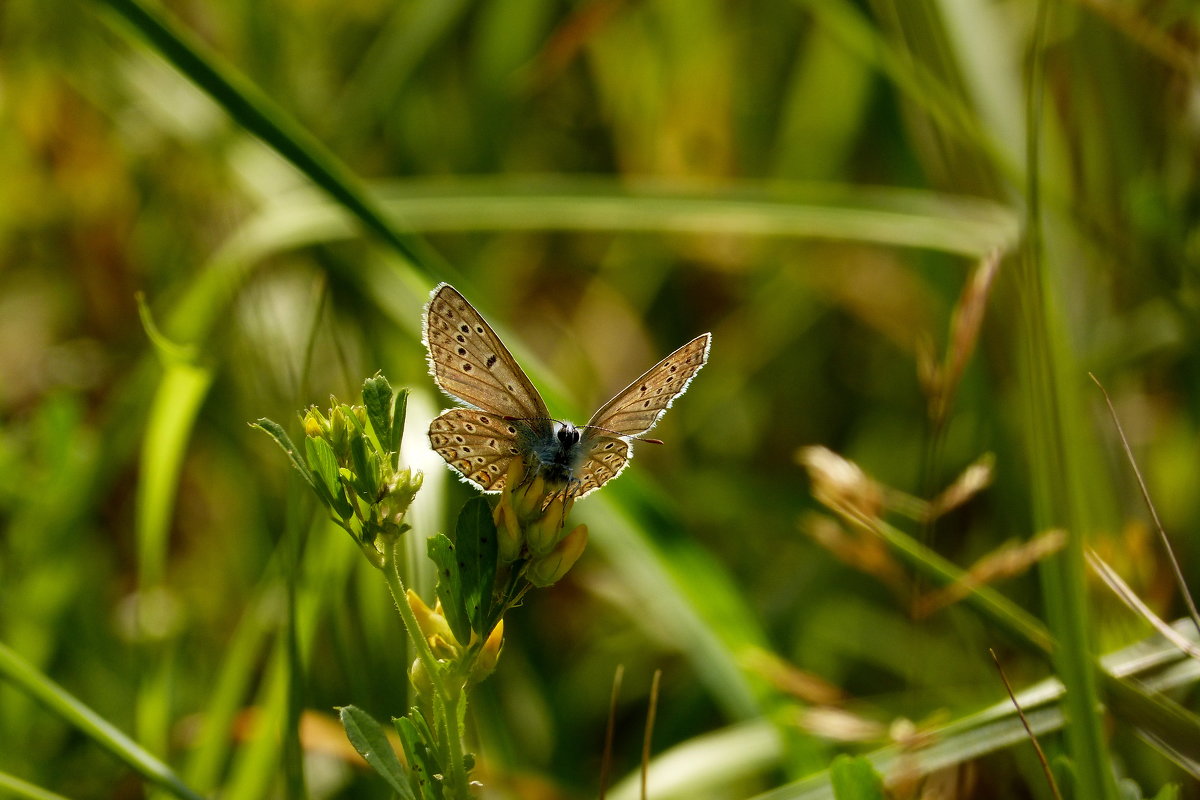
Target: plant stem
[{"x": 452, "y": 699}]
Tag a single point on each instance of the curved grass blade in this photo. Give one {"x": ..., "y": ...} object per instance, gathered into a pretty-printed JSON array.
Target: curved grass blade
[
  {"x": 261, "y": 116},
  {"x": 68, "y": 707},
  {"x": 13, "y": 786}
]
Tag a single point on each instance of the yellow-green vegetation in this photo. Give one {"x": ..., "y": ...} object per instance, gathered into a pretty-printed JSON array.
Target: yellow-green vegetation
[{"x": 915, "y": 230}]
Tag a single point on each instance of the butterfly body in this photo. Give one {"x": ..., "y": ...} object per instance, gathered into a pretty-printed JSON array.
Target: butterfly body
[
  {"x": 508, "y": 419},
  {"x": 558, "y": 455}
]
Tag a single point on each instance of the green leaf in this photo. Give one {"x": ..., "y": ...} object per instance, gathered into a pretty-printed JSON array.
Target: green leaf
[
  {"x": 399, "y": 409},
  {"x": 324, "y": 478},
  {"x": 449, "y": 586},
  {"x": 854, "y": 778},
  {"x": 1172, "y": 729},
  {"x": 422, "y": 761},
  {"x": 476, "y": 547},
  {"x": 276, "y": 432},
  {"x": 366, "y": 481},
  {"x": 371, "y": 742},
  {"x": 377, "y": 398}
]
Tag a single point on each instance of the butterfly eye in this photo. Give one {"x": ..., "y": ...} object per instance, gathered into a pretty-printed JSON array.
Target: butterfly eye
[{"x": 568, "y": 436}]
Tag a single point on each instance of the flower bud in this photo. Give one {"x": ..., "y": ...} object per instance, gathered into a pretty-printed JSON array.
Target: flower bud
[
  {"x": 527, "y": 497},
  {"x": 508, "y": 531},
  {"x": 489, "y": 654},
  {"x": 543, "y": 533},
  {"x": 339, "y": 433},
  {"x": 315, "y": 424},
  {"x": 401, "y": 491},
  {"x": 547, "y": 570},
  {"x": 431, "y": 620},
  {"x": 419, "y": 677}
]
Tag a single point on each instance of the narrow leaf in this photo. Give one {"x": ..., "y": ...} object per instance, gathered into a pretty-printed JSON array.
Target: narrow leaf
[
  {"x": 449, "y": 586},
  {"x": 276, "y": 432},
  {"x": 27, "y": 679},
  {"x": 372, "y": 744},
  {"x": 322, "y": 464},
  {"x": 476, "y": 547},
  {"x": 420, "y": 756},
  {"x": 377, "y": 398},
  {"x": 323, "y": 476},
  {"x": 399, "y": 409},
  {"x": 365, "y": 482},
  {"x": 1169, "y": 727}
]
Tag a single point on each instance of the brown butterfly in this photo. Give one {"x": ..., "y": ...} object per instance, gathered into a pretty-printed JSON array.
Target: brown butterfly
[{"x": 508, "y": 419}]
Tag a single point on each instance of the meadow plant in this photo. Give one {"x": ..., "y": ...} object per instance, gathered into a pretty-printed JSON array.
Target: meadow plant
[{"x": 351, "y": 460}]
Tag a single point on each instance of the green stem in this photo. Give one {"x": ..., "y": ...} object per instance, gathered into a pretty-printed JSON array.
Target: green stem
[
  {"x": 449, "y": 698},
  {"x": 455, "y": 708}
]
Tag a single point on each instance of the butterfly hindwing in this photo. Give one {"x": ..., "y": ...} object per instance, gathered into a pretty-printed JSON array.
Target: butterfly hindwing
[
  {"x": 638, "y": 406},
  {"x": 478, "y": 444},
  {"x": 470, "y": 363},
  {"x": 606, "y": 457}
]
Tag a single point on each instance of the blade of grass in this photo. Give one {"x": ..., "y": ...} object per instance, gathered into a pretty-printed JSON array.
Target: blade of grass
[
  {"x": 251, "y": 108},
  {"x": 1058, "y": 489},
  {"x": 997, "y": 727},
  {"x": 1130, "y": 598},
  {"x": 64, "y": 704},
  {"x": 1159, "y": 719},
  {"x": 173, "y": 412},
  {"x": 14, "y": 786},
  {"x": 950, "y": 223}
]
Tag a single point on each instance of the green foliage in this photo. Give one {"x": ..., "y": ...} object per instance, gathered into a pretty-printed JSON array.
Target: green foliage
[
  {"x": 812, "y": 181},
  {"x": 475, "y": 547},
  {"x": 450, "y": 590},
  {"x": 420, "y": 751},
  {"x": 371, "y": 742}
]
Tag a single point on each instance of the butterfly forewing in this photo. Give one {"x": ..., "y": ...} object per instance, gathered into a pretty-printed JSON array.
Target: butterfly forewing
[
  {"x": 478, "y": 444},
  {"x": 469, "y": 361},
  {"x": 638, "y": 406}
]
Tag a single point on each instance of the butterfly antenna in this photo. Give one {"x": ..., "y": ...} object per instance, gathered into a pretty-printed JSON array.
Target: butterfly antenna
[
  {"x": 508, "y": 418},
  {"x": 618, "y": 434},
  {"x": 624, "y": 435}
]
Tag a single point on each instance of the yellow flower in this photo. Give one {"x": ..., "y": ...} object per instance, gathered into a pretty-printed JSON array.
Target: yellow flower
[
  {"x": 543, "y": 533},
  {"x": 508, "y": 529},
  {"x": 489, "y": 654},
  {"x": 434, "y": 626}
]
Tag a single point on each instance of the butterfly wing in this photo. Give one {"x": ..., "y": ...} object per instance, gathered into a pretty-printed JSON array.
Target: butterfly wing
[
  {"x": 638, "y": 406},
  {"x": 478, "y": 444},
  {"x": 606, "y": 457},
  {"x": 634, "y": 410},
  {"x": 470, "y": 363}
]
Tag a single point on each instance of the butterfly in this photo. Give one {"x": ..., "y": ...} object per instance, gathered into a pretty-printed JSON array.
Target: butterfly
[{"x": 507, "y": 418}]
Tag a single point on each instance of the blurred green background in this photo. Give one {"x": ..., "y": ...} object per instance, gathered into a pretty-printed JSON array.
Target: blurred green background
[{"x": 813, "y": 182}]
